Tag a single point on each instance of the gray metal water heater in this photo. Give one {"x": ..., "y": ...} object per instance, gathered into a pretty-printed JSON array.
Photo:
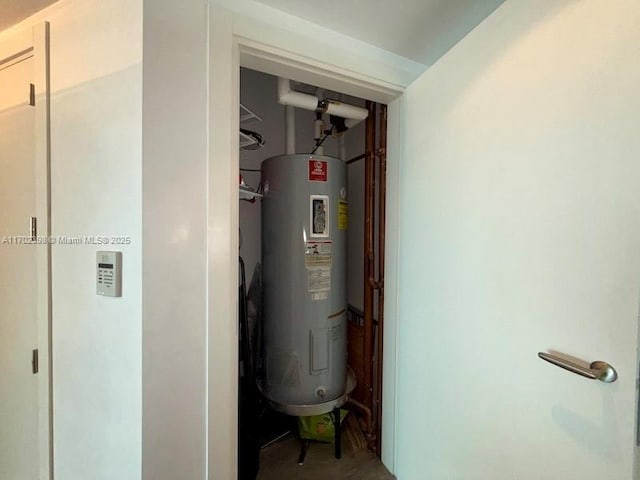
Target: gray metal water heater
[{"x": 304, "y": 226}]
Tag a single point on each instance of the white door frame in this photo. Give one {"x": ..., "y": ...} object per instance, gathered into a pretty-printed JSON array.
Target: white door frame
[
  {"x": 35, "y": 41},
  {"x": 236, "y": 42}
]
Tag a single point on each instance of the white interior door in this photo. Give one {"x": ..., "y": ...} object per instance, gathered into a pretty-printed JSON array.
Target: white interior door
[
  {"x": 520, "y": 233},
  {"x": 19, "y": 438}
]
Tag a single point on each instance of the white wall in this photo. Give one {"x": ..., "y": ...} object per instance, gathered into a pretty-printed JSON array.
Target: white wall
[
  {"x": 96, "y": 88},
  {"x": 501, "y": 136},
  {"x": 175, "y": 158},
  {"x": 258, "y": 92},
  {"x": 395, "y": 114},
  {"x": 354, "y": 145},
  {"x": 222, "y": 261}
]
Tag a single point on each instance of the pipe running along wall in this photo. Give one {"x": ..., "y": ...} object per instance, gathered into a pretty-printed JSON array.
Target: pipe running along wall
[{"x": 290, "y": 98}]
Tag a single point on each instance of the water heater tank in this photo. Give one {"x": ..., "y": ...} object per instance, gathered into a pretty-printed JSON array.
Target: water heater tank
[{"x": 304, "y": 225}]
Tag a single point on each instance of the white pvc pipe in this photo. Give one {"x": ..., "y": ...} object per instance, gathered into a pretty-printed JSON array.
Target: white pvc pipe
[
  {"x": 290, "y": 130},
  {"x": 350, "y": 122},
  {"x": 286, "y": 96},
  {"x": 346, "y": 111},
  {"x": 351, "y": 113},
  {"x": 318, "y": 129}
]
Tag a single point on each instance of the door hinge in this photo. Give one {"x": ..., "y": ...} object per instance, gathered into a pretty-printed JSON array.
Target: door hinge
[
  {"x": 33, "y": 229},
  {"x": 32, "y": 94},
  {"x": 34, "y": 361},
  {"x": 638, "y": 415}
]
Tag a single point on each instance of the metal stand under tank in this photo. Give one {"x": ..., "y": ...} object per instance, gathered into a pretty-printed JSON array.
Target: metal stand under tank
[{"x": 304, "y": 222}]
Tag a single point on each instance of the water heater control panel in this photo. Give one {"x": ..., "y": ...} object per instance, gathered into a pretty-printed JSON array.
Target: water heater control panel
[
  {"x": 109, "y": 274},
  {"x": 319, "y": 216}
]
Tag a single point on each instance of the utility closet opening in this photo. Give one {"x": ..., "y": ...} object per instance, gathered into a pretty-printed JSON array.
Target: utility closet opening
[{"x": 311, "y": 288}]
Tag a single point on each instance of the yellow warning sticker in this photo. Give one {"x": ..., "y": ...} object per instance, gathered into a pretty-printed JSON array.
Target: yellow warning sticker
[{"x": 343, "y": 215}]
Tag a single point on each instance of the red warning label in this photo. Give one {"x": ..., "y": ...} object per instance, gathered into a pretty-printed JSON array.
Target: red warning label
[{"x": 317, "y": 171}]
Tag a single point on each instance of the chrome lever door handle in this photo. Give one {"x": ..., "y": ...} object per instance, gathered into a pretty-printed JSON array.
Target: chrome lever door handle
[{"x": 597, "y": 370}]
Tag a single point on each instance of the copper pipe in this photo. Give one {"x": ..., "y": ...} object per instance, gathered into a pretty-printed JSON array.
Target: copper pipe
[
  {"x": 382, "y": 202},
  {"x": 368, "y": 418},
  {"x": 369, "y": 267}
]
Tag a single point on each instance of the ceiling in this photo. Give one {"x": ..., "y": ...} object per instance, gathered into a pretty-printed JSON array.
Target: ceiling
[
  {"x": 12, "y": 11},
  {"x": 422, "y": 30}
]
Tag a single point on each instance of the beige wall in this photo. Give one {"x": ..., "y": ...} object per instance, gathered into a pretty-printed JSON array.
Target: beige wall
[{"x": 96, "y": 189}]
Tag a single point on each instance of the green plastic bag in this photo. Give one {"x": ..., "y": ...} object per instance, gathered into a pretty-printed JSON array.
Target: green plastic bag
[{"x": 319, "y": 427}]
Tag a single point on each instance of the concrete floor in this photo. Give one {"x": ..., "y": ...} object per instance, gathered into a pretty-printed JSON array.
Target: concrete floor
[{"x": 279, "y": 462}]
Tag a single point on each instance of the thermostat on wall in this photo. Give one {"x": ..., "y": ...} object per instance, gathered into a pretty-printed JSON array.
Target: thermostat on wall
[{"x": 109, "y": 274}]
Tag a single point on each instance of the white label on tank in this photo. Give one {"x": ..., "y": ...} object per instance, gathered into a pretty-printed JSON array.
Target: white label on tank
[
  {"x": 319, "y": 279},
  {"x": 317, "y": 260},
  {"x": 337, "y": 326},
  {"x": 317, "y": 254}
]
